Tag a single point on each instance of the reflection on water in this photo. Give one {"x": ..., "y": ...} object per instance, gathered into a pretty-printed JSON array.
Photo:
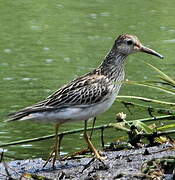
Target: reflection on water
[
  {"x": 46, "y": 44},
  {"x": 8, "y": 78}
]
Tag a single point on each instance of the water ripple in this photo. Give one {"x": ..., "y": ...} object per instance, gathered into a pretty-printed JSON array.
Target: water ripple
[
  {"x": 7, "y": 50},
  {"x": 49, "y": 60},
  {"x": 4, "y": 64},
  {"x": 67, "y": 59},
  {"x": 169, "y": 41},
  {"x": 8, "y": 78},
  {"x": 46, "y": 49}
]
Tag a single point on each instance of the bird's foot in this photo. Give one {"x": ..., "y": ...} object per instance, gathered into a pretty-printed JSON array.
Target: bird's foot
[
  {"x": 75, "y": 154},
  {"x": 53, "y": 156},
  {"x": 100, "y": 156}
]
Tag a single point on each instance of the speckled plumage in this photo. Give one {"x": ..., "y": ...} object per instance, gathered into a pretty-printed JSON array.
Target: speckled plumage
[
  {"x": 82, "y": 93},
  {"x": 87, "y": 92},
  {"x": 86, "y": 96}
]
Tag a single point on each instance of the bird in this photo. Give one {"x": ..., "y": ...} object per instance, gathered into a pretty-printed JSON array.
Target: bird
[{"x": 86, "y": 96}]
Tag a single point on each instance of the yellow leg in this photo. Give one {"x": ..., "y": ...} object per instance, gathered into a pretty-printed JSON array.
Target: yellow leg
[
  {"x": 84, "y": 150},
  {"x": 55, "y": 153},
  {"x": 93, "y": 124},
  {"x": 90, "y": 145}
]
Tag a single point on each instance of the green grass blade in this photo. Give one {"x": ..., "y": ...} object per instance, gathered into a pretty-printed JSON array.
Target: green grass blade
[
  {"x": 145, "y": 84},
  {"x": 163, "y": 75},
  {"x": 146, "y": 107},
  {"x": 148, "y": 100},
  {"x": 168, "y": 126}
]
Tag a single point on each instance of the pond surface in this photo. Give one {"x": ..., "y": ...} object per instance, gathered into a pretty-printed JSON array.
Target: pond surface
[{"x": 44, "y": 44}]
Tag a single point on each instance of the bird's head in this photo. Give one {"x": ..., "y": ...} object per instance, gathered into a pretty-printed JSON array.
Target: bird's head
[{"x": 127, "y": 44}]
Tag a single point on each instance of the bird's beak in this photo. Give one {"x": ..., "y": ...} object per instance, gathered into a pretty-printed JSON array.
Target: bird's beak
[{"x": 150, "y": 51}]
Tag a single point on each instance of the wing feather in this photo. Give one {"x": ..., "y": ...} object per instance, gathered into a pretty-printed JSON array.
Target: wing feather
[{"x": 85, "y": 90}]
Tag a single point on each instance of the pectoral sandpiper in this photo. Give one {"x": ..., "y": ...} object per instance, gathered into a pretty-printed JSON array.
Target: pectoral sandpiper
[{"x": 88, "y": 95}]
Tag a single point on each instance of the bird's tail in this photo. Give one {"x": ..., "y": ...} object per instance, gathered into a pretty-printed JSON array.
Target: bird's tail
[{"x": 26, "y": 114}]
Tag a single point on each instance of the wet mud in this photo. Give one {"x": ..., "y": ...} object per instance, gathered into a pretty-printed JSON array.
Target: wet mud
[{"x": 125, "y": 164}]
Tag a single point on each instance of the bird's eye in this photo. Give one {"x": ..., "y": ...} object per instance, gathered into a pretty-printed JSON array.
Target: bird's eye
[{"x": 129, "y": 42}]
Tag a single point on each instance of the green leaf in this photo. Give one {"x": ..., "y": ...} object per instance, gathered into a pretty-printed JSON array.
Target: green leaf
[
  {"x": 120, "y": 126},
  {"x": 145, "y": 128},
  {"x": 166, "y": 127}
]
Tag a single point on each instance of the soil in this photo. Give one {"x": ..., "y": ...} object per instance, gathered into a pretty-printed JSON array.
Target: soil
[{"x": 124, "y": 164}]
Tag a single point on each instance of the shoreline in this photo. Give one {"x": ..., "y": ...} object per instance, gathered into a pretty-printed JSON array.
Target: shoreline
[{"x": 124, "y": 164}]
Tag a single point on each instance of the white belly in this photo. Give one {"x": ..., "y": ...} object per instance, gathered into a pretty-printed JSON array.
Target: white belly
[{"x": 72, "y": 113}]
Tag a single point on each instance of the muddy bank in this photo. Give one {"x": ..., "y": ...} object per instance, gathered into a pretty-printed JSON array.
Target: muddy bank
[{"x": 125, "y": 164}]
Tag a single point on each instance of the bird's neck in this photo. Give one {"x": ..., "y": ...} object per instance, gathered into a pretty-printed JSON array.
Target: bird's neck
[{"x": 113, "y": 65}]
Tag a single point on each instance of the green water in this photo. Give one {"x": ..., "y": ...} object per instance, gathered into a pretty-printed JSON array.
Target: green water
[{"x": 44, "y": 44}]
